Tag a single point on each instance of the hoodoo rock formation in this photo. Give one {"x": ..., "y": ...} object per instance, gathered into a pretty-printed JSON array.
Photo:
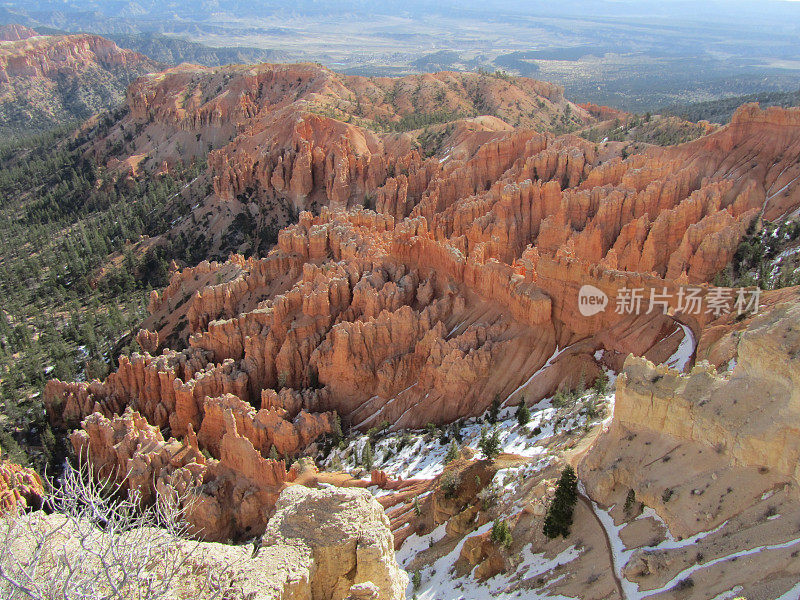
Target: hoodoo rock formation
[
  {"x": 234, "y": 494},
  {"x": 20, "y": 488},
  {"x": 429, "y": 271},
  {"x": 47, "y": 80}
]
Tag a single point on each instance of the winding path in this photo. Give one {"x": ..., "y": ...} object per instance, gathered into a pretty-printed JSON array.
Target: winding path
[{"x": 588, "y": 503}]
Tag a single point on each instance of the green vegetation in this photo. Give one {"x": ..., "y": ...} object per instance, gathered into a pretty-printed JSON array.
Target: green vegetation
[
  {"x": 452, "y": 452},
  {"x": 600, "y": 385},
  {"x": 416, "y": 579},
  {"x": 418, "y": 120},
  {"x": 68, "y": 309},
  {"x": 630, "y": 500},
  {"x": 563, "y": 398},
  {"x": 432, "y": 140},
  {"x": 501, "y": 534},
  {"x": 32, "y": 106},
  {"x": 523, "y": 413},
  {"x": 558, "y": 520},
  {"x": 755, "y": 262},
  {"x": 337, "y": 428},
  {"x": 173, "y": 50},
  {"x": 449, "y": 483},
  {"x": 721, "y": 111},
  {"x": 662, "y": 131},
  {"x": 494, "y": 409},
  {"x": 490, "y": 444},
  {"x": 366, "y": 456}
]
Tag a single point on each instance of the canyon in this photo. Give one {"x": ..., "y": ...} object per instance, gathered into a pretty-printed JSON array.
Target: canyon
[
  {"x": 392, "y": 257},
  {"x": 47, "y": 81}
]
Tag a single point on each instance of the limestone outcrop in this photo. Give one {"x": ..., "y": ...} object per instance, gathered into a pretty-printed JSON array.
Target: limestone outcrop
[
  {"x": 321, "y": 545},
  {"x": 711, "y": 453},
  {"x": 749, "y": 415},
  {"x": 345, "y": 540}
]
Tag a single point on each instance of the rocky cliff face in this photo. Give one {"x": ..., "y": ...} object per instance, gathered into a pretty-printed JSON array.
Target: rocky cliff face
[
  {"x": 13, "y": 32},
  {"x": 715, "y": 455},
  {"x": 460, "y": 284},
  {"x": 287, "y": 138},
  {"x": 20, "y": 488},
  {"x": 46, "y": 80},
  {"x": 345, "y": 540},
  {"x": 321, "y": 545},
  {"x": 747, "y": 414},
  {"x": 236, "y": 492}
]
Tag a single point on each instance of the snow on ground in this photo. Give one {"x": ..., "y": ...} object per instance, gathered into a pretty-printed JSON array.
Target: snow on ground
[
  {"x": 699, "y": 567},
  {"x": 531, "y": 378},
  {"x": 438, "y": 582},
  {"x": 420, "y": 454},
  {"x": 792, "y": 594},
  {"x": 621, "y": 555},
  {"x": 683, "y": 354},
  {"x": 730, "y": 594}
]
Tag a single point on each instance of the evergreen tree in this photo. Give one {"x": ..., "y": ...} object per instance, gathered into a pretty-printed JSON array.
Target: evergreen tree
[
  {"x": 490, "y": 444},
  {"x": 630, "y": 499},
  {"x": 601, "y": 384},
  {"x": 273, "y": 453},
  {"x": 366, "y": 456},
  {"x": 452, "y": 452},
  {"x": 337, "y": 428},
  {"x": 501, "y": 534},
  {"x": 580, "y": 388},
  {"x": 558, "y": 520},
  {"x": 523, "y": 413},
  {"x": 494, "y": 409},
  {"x": 336, "y": 463}
]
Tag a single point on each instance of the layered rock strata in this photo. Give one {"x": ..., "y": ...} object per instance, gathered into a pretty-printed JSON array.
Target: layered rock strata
[{"x": 461, "y": 286}]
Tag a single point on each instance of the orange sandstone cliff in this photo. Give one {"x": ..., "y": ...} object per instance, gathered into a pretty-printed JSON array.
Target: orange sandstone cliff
[
  {"x": 457, "y": 284},
  {"x": 49, "y": 80}
]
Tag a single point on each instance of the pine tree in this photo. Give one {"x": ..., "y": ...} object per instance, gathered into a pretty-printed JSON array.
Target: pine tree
[
  {"x": 494, "y": 409},
  {"x": 273, "y": 453},
  {"x": 366, "y": 456},
  {"x": 416, "y": 579},
  {"x": 501, "y": 534},
  {"x": 558, "y": 520},
  {"x": 336, "y": 463},
  {"x": 523, "y": 413},
  {"x": 452, "y": 452},
  {"x": 580, "y": 389},
  {"x": 630, "y": 499},
  {"x": 601, "y": 384},
  {"x": 490, "y": 444},
  {"x": 337, "y": 428}
]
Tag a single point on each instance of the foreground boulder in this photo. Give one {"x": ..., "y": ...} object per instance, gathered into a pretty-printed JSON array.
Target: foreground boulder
[{"x": 322, "y": 544}]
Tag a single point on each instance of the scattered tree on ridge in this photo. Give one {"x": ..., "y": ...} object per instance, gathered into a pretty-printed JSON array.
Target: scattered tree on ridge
[{"x": 558, "y": 520}]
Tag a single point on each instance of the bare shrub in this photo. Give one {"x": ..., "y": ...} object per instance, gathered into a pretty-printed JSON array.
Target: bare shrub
[{"x": 99, "y": 543}]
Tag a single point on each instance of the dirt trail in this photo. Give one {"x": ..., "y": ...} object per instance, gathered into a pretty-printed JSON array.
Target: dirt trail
[{"x": 588, "y": 503}]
